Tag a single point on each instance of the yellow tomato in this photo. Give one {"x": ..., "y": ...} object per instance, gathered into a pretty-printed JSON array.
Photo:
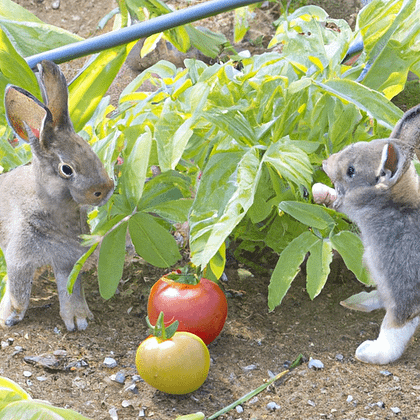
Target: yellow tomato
[{"x": 178, "y": 365}]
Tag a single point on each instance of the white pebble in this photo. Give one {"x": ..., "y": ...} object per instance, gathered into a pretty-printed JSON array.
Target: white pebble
[
  {"x": 109, "y": 362},
  {"x": 239, "y": 409},
  {"x": 113, "y": 413},
  {"x": 349, "y": 399},
  {"x": 27, "y": 374},
  {"x": 395, "y": 410},
  {"x": 271, "y": 406},
  {"x": 315, "y": 364}
]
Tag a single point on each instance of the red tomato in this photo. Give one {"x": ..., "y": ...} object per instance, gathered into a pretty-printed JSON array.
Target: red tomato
[{"x": 201, "y": 309}]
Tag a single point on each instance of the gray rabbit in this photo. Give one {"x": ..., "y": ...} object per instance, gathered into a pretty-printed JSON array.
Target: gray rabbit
[
  {"x": 377, "y": 186},
  {"x": 43, "y": 205}
]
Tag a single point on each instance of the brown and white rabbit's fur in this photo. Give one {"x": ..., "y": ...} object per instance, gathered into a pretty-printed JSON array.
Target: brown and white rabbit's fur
[
  {"x": 377, "y": 186},
  {"x": 43, "y": 205}
]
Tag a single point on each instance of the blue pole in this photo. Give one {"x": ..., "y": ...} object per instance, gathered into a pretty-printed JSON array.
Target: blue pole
[{"x": 137, "y": 31}]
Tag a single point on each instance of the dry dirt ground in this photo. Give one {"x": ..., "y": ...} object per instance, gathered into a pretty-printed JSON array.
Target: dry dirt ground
[{"x": 68, "y": 369}]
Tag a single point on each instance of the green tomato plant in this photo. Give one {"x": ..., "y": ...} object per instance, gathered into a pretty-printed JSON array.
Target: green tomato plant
[{"x": 239, "y": 144}]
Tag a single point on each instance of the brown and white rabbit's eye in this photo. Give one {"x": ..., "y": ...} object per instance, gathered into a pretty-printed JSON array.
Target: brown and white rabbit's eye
[
  {"x": 351, "y": 171},
  {"x": 66, "y": 171}
]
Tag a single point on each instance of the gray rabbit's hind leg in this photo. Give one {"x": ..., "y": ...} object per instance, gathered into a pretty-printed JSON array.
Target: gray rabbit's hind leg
[
  {"x": 15, "y": 301},
  {"x": 390, "y": 344},
  {"x": 73, "y": 307}
]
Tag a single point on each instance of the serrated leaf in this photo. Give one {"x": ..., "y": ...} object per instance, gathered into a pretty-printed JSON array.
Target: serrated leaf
[
  {"x": 318, "y": 267},
  {"x": 111, "y": 260},
  {"x": 152, "y": 242},
  {"x": 288, "y": 267}
]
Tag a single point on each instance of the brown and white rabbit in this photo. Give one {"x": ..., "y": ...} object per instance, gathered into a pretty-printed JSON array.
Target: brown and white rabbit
[
  {"x": 377, "y": 186},
  {"x": 43, "y": 205}
]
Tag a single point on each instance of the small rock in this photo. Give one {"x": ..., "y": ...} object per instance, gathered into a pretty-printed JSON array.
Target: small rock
[
  {"x": 5, "y": 344},
  {"x": 113, "y": 413},
  {"x": 239, "y": 409},
  {"x": 18, "y": 349},
  {"x": 385, "y": 373},
  {"x": 380, "y": 404},
  {"x": 56, "y": 5},
  {"x": 27, "y": 374},
  {"x": 132, "y": 388},
  {"x": 119, "y": 377},
  {"x": 311, "y": 403},
  {"x": 109, "y": 362},
  {"x": 127, "y": 403},
  {"x": 253, "y": 400},
  {"x": 395, "y": 410},
  {"x": 315, "y": 364},
  {"x": 249, "y": 368},
  {"x": 272, "y": 406},
  {"x": 142, "y": 412},
  {"x": 41, "y": 378},
  {"x": 349, "y": 399},
  {"x": 60, "y": 353},
  {"x": 136, "y": 378},
  {"x": 339, "y": 357}
]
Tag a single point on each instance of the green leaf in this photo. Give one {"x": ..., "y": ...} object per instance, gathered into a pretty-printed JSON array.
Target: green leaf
[
  {"x": 309, "y": 214},
  {"x": 111, "y": 260},
  {"x": 373, "y": 103},
  {"x": 291, "y": 162},
  {"x": 35, "y": 410},
  {"x": 288, "y": 266},
  {"x": 136, "y": 163},
  {"x": 78, "y": 266},
  {"x": 225, "y": 194},
  {"x": 241, "y": 26},
  {"x": 350, "y": 247},
  {"x": 175, "y": 211},
  {"x": 87, "y": 90},
  {"x": 152, "y": 242},
  {"x": 318, "y": 267},
  {"x": 14, "y": 70}
]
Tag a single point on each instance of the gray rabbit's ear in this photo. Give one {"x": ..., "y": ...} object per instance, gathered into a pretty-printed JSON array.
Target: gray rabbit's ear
[
  {"x": 55, "y": 93},
  {"x": 408, "y": 129},
  {"x": 25, "y": 113},
  {"x": 394, "y": 163}
]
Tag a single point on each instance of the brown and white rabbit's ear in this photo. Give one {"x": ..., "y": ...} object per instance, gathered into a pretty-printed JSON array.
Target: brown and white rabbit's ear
[
  {"x": 25, "y": 113},
  {"x": 408, "y": 129},
  {"x": 55, "y": 93},
  {"x": 394, "y": 162}
]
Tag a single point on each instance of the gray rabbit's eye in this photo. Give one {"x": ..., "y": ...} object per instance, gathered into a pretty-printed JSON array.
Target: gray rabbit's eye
[
  {"x": 65, "y": 170},
  {"x": 351, "y": 171}
]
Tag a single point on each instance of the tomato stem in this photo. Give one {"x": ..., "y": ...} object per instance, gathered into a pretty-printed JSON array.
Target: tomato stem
[
  {"x": 159, "y": 330},
  {"x": 189, "y": 274}
]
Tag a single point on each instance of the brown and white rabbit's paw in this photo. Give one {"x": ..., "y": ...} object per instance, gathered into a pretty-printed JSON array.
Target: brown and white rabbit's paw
[
  {"x": 323, "y": 194},
  {"x": 389, "y": 346}
]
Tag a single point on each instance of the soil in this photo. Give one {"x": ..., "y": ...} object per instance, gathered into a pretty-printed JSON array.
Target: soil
[{"x": 68, "y": 370}]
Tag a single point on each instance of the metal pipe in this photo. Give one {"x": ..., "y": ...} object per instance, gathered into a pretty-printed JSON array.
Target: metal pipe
[{"x": 139, "y": 30}]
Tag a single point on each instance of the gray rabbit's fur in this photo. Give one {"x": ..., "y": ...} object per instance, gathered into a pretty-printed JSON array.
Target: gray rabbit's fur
[
  {"x": 43, "y": 206},
  {"x": 378, "y": 187}
]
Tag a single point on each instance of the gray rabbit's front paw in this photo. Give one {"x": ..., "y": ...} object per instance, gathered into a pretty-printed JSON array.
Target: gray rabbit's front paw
[
  {"x": 76, "y": 321},
  {"x": 9, "y": 315}
]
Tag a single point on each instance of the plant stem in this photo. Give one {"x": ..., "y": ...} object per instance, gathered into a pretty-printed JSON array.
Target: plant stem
[{"x": 256, "y": 391}]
